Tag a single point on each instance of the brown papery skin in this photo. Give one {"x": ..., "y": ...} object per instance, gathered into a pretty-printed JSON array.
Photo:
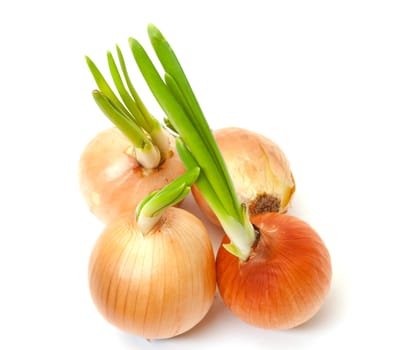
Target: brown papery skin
[
  {"x": 286, "y": 278},
  {"x": 112, "y": 182},
  {"x": 158, "y": 285},
  {"x": 257, "y": 166}
]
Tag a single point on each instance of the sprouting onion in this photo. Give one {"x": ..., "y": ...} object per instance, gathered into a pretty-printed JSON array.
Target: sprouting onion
[
  {"x": 259, "y": 169},
  {"x": 122, "y": 165},
  {"x": 301, "y": 284},
  {"x": 149, "y": 138},
  {"x": 152, "y": 273}
]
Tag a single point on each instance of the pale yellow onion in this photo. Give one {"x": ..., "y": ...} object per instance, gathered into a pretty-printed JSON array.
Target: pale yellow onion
[
  {"x": 156, "y": 285},
  {"x": 259, "y": 170},
  {"x": 111, "y": 180}
]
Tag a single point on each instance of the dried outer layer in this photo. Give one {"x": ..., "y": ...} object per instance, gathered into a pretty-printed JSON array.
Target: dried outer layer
[
  {"x": 111, "y": 180},
  {"x": 259, "y": 170}
]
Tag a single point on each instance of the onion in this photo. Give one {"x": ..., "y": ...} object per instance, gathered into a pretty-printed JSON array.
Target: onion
[
  {"x": 285, "y": 279},
  {"x": 122, "y": 165},
  {"x": 111, "y": 179},
  {"x": 259, "y": 171},
  {"x": 156, "y": 285}
]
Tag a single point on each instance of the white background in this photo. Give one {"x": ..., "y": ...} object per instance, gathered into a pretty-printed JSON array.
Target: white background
[{"x": 318, "y": 77}]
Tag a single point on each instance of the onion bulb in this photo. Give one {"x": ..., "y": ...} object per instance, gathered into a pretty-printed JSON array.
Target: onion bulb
[
  {"x": 111, "y": 180},
  {"x": 122, "y": 165},
  {"x": 259, "y": 170},
  {"x": 284, "y": 281},
  {"x": 155, "y": 285}
]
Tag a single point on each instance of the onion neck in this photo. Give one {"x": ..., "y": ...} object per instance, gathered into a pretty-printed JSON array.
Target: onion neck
[
  {"x": 148, "y": 157},
  {"x": 242, "y": 237}
]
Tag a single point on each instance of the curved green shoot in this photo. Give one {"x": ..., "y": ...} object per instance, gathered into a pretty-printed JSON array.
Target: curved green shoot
[
  {"x": 151, "y": 208},
  {"x": 120, "y": 120},
  {"x": 105, "y": 88},
  {"x": 124, "y": 94},
  {"x": 149, "y": 122}
]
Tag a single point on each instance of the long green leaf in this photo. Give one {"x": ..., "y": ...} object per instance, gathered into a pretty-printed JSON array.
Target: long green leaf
[
  {"x": 126, "y": 98},
  {"x": 202, "y": 182},
  {"x": 186, "y": 128},
  {"x": 105, "y": 88},
  {"x": 147, "y": 121},
  {"x": 173, "y": 68}
]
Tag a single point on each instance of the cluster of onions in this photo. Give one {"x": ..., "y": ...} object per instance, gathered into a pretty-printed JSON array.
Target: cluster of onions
[
  {"x": 153, "y": 274},
  {"x": 122, "y": 165},
  {"x": 273, "y": 270},
  {"x": 152, "y": 271}
]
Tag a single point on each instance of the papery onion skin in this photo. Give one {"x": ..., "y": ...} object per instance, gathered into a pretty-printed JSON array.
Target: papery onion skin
[
  {"x": 111, "y": 180},
  {"x": 158, "y": 285},
  {"x": 259, "y": 170},
  {"x": 286, "y": 278}
]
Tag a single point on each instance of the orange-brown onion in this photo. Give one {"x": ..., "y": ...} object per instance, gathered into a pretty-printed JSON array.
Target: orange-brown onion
[
  {"x": 111, "y": 180},
  {"x": 156, "y": 285},
  {"x": 259, "y": 170},
  {"x": 286, "y": 278}
]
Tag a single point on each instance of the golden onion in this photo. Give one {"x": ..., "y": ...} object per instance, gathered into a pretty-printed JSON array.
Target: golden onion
[{"x": 155, "y": 285}]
